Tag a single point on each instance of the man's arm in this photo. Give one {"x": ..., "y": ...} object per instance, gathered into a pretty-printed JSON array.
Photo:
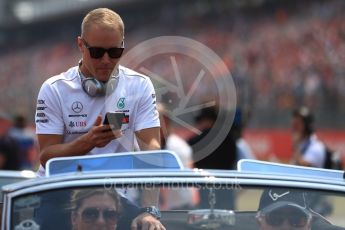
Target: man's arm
[
  {"x": 149, "y": 139},
  {"x": 52, "y": 145},
  {"x": 136, "y": 218}
]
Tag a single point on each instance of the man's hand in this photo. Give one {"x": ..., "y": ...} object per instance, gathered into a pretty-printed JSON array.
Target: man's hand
[
  {"x": 146, "y": 221},
  {"x": 100, "y": 135}
]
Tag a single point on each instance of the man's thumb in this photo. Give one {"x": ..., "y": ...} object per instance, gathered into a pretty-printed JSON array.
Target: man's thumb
[{"x": 98, "y": 121}]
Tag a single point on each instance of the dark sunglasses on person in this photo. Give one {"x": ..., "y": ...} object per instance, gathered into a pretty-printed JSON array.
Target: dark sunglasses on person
[
  {"x": 297, "y": 219},
  {"x": 90, "y": 215},
  {"x": 98, "y": 52}
]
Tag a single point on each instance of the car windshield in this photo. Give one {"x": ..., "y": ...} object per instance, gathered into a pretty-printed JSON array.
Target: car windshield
[{"x": 182, "y": 206}]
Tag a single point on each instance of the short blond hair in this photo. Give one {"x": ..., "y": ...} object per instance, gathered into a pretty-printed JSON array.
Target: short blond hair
[
  {"x": 79, "y": 195},
  {"x": 103, "y": 17}
]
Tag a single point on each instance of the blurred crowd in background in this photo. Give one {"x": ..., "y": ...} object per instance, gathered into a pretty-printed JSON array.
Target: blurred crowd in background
[{"x": 281, "y": 54}]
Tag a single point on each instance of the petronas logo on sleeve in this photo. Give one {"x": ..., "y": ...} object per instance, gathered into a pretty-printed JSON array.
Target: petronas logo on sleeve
[{"x": 121, "y": 103}]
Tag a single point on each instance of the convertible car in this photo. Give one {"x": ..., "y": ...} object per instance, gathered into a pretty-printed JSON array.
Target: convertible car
[{"x": 105, "y": 192}]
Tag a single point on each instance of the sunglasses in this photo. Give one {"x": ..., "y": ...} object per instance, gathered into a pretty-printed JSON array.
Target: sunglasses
[
  {"x": 296, "y": 219},
  {"x": 98, "y": 52},
  {"x": 90, "y": 215}
]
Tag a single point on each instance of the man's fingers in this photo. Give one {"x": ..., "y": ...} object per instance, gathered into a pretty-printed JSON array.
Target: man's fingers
[
  {"x": 134, "y": 225},
  {"x": 104, "y": 138},
  {"x": 113, "y": 134},
  {"x": 146, "y": 222}
]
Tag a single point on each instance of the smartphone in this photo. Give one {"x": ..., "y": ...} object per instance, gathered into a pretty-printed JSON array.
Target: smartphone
[{"x": 114, "y": 118}]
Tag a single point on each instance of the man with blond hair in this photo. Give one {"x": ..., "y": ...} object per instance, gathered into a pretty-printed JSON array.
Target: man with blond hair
[{"x": 72, "y": 105}]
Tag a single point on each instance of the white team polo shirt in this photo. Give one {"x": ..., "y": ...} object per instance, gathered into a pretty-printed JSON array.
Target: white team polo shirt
[{"x": 64, "y": 108}]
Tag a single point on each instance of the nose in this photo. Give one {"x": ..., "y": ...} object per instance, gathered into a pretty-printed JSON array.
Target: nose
[
  {"x": 286, "y": 226},
  {"x": 106, "y": 58},
  {"x": 100, "y": 219}
]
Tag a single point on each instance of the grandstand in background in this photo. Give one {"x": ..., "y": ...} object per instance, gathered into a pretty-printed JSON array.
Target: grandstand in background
[{"x": 281, "y": 53}]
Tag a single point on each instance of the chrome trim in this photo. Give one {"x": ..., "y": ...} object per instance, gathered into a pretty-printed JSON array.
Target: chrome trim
[
  {"x": 151, "y": 174},
  {"x": 17, "y": 174}
]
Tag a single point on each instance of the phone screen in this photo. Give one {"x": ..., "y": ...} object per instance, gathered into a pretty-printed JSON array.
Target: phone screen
[{"x": 114, "y": 118}]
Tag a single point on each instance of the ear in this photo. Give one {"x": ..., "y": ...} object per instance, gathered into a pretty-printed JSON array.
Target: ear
[
  {"x": 80, "y": 43},
  {"x": 73, "y": 218}
]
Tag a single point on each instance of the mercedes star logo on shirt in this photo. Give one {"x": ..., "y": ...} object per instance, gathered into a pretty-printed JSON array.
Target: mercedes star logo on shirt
[{"x": 77, "y": 107}]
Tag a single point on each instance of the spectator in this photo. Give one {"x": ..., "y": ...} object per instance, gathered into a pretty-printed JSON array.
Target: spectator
[
  {"x": 223, "y": 157},
  {"x": 171, "y": 141},
  {"x": 308, "y": 149},
  {"x": 25, "y": 138},
  {"x": 9, "y": 148},
  {"x": 244, "y": 150},
  {"x": 175, "y": 198}
]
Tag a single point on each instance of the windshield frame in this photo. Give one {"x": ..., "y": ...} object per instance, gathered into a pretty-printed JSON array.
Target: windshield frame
[{"x": 13, "y": 191}]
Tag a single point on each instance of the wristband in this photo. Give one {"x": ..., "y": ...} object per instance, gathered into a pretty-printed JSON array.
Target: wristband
[{"x": 152, "y": 210}]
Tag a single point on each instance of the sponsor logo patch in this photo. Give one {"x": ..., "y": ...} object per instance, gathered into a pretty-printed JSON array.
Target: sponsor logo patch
[
  {"x": 42, "y": 121},
  {"x": 41, "y": 107},
  {"x": 40, "y": 114},
  {"x": 77, "y": 106},
  {"x": 121, "y": 103},
  {"x": 78, "y": 124}
]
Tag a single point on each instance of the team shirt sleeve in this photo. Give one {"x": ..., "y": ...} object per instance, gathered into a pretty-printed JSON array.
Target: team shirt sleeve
[
  {"x": 48, "y": 117},
  {"x": 147, "y": 114}
]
